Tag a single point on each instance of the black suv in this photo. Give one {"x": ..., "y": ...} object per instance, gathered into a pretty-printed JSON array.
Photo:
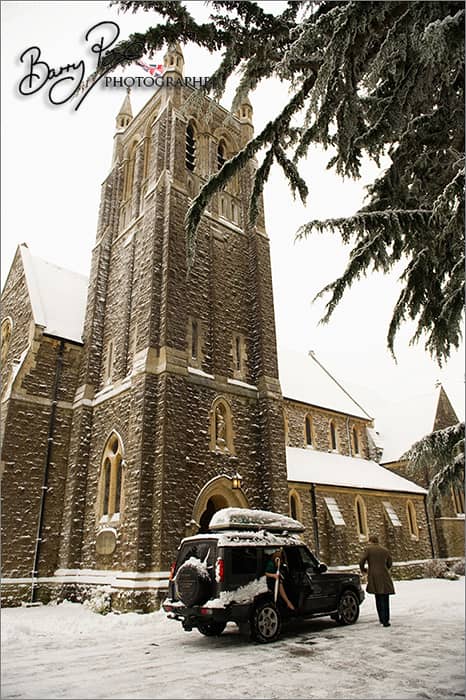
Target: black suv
[{"x": 219, "y": 577}]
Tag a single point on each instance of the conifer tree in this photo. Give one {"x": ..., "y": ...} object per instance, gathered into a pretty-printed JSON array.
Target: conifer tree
[
  {"x": 368, "y": 79},
  {"x": 441, "y": 454}
]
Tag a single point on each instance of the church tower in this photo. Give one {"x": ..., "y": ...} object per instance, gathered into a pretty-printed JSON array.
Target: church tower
[{"x": 178, "y": 410}]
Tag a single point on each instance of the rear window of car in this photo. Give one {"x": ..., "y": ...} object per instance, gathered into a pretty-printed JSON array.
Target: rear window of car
[
  {"x": 202, "y": 550},
  {"x": 243, "y": 560}
]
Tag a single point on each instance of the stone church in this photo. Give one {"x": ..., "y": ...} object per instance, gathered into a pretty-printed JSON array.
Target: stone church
[{"x": 137, "y": 403}]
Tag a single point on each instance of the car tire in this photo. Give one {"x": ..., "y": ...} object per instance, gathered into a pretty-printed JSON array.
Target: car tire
[
  {"x": 348, "y": 608},
  {"x": 211, "y": 629},
  {"x": 191, "y": 587},
  {"x": 266, "y": 623}
]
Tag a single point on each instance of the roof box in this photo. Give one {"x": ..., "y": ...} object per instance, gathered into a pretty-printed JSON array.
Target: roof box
[{"x": 251, "y": 519}]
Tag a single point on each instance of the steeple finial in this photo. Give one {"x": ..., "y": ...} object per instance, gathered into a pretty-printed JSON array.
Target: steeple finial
[{"x": 125, "y": 114}]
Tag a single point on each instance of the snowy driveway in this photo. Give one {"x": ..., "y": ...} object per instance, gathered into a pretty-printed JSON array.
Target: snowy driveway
[{"x": 66, "y": 651}]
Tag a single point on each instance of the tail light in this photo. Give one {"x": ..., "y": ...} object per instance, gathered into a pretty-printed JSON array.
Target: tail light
[
  {"x": 172, "y": 571},
  {"x": 219, "y": 570}
]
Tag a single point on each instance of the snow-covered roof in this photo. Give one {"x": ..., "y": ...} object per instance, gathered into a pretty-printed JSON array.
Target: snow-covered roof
[
  {"x": 315, "y": 467},
  {"x": 303, "y": 378},
  {"x": 58, "y": 296}
]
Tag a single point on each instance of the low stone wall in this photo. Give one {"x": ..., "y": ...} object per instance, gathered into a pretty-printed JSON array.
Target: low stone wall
[
  {"x": 405, "y": 570},
  {"x": 122, "y": 600},
  {"x": 149, "y": 600}
]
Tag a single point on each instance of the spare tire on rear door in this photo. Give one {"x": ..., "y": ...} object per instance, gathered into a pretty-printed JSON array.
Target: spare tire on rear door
[{"x": 193, "y": 583}]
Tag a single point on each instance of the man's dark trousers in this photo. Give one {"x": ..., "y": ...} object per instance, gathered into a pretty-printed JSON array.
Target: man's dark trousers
[{"x": 382, "y": 603}]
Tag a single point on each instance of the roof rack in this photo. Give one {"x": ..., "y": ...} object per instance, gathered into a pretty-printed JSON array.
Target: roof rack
[{"x": 253, "y": 520}]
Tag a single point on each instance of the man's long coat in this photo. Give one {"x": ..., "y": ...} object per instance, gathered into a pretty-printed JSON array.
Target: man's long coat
[{"x": 379, "y": 560}]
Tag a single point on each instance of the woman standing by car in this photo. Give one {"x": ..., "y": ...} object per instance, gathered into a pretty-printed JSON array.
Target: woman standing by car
[{"x": 272, "y": 573}]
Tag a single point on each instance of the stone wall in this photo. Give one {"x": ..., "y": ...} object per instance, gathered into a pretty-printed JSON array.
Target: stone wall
[
  {"x": 31, "y": 424},
  {"x": 342, "y": 544},
  {"x": 450, "y": 533},
  {"x": 295, "y": 417}
]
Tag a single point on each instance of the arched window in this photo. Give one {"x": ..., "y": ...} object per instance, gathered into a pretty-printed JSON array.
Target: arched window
[
  {"x": 239, "y": 355},
  {"x": 111, "y": 478},
  {"x": 412, "y": 520},
  {"x": 333, "y": 436},
  {"x": 7, "y": 327},
  {"x": 108, "y": 368},
  {"x": 355, "y": 440},
  {"x": 190, "y": 148},
  {"x": 458, "y": 500},
  {"x": 147, "y": 147},
  {"x": 361, "y": 518},
  {"x": 296, "y": 509},
  {"x": 129, "y": 173},
  {"x": 221, "y": 154},
  {"x": 221, "y": 427},
  {"x": 194, "y": 342},
  {"x": 308, "y": 430}
]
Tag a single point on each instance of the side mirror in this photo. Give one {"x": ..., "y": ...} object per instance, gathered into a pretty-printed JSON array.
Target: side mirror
[{"x": 322, "y": 568}]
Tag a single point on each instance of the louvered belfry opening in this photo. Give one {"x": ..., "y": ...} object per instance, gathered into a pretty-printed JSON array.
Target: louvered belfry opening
[{"x": 190, "y": 148}]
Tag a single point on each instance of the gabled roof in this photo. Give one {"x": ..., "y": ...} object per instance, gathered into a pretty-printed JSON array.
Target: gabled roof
[
  {"x": 310, "y": 466},
  {"x": 58, "y": 296},
  {"x": 303, "y": 378},
  {"x": 400, "y": 424}
]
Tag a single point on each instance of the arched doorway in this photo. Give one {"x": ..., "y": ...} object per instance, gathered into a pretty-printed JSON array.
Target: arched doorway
[
  {"x": 214, "y": 504},
  {"x": 216, "y": 494}
]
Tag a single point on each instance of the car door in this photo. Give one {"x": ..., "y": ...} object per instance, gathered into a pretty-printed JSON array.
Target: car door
[
  {"x": 297, "y": 581},
  {"x": 319, "y": 587}
]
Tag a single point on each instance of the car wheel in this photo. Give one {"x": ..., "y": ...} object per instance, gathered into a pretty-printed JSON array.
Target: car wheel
[
  {"x": 191, "y": 587},
  {"x": 348, "y": 608},
  {"x": 211, "y": 629},
  {"x": 266, "y": 622}
]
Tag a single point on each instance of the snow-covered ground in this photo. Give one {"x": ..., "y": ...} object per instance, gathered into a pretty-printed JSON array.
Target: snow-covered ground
[{"x": 67, "y": 651}]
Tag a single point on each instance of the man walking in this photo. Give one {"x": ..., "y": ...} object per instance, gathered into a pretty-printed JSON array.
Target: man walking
[{"x": 379, "y": 580}]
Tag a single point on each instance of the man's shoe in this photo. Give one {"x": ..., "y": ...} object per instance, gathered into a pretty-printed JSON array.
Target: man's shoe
[{"x": 386, "y": 624}]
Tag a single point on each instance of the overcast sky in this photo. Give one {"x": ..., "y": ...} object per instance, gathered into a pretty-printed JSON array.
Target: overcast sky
[{"x": 54, "y": 159}]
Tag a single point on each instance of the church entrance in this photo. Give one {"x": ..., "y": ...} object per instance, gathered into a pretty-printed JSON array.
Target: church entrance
[
  {"x": 214, "y": 504},
  {"x": 216, "y": 494}
]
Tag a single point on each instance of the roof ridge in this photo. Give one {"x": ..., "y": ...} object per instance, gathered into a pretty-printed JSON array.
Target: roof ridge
[{"x": 312, "y": 354}]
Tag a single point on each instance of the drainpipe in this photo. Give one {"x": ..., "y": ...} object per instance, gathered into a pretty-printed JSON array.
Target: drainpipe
[
  {"x": 315, "y": 524},
  {"x": 35, "y": 566},
  {"x": 426, "y": 506}
]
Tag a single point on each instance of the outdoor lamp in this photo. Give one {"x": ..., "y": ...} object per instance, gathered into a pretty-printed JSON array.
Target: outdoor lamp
[{"x": 236, "y": 481}]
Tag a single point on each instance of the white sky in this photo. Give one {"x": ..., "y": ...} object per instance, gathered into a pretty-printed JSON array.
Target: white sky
[
  {"x": 67, "y": 651},
  {"x": 54, "y": 160}
]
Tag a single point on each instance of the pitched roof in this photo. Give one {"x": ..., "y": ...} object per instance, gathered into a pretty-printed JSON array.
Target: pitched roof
[
  {"x": 304, "y": 378},
  {"x": 328, "y": 468},
  {"x": 58, "y": 296}
]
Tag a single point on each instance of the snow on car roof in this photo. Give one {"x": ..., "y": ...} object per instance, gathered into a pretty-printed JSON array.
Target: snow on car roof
[
  {"x": 252, "y": 519},
  {"x": 245, "y": 538}
]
